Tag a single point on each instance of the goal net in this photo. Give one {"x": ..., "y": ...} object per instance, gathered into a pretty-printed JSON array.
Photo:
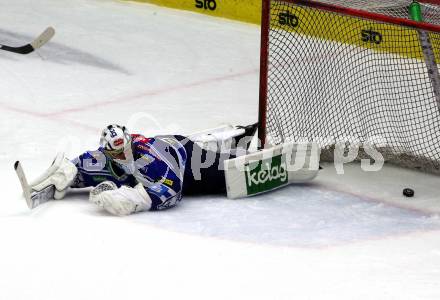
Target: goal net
[{"x": 353, "y": 72}]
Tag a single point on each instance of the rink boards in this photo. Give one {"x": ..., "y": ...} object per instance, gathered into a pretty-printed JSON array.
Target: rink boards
[{"x": 369, "y": 34}]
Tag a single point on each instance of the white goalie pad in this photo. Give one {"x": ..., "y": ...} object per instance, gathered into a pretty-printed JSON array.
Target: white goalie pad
[
  {"x": 60, "y": 174},
  {"x": 271, "y": 168},
  {"x": 217, "y": 138},
  {"x": 221, "y": 128}
]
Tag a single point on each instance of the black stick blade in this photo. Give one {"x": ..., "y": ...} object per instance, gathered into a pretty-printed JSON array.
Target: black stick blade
[{"x": 26, "y": 49}]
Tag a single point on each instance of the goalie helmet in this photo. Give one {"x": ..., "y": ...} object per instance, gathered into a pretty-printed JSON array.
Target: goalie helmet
[{"x": 115, "y": 139}]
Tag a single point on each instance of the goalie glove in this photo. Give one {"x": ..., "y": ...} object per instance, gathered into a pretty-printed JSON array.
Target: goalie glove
[{"x": 120, "y": 201}]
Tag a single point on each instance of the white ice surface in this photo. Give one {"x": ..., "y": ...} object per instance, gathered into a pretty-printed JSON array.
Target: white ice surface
[{"x": 167, "y": 71}]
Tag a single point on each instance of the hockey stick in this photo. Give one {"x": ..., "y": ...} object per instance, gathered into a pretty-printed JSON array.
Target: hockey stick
[
  {"x": 33, "y": 198},
  {"x": 431, "y": 64},
  {"x": 24, "y": 184},
  {"x": 37, "y": 43},
  {"x": 415, "y": 12}
]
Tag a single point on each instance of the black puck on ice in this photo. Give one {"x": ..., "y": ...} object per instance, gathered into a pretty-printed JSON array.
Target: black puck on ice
[{"x": 408, "y": 192}]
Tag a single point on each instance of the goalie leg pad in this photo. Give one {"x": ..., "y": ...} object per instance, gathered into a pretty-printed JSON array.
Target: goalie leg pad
[
  {"x": 271, "y": 168},
  {"x": 121, "y": 202},
  {"x": 217, "y": 139}
]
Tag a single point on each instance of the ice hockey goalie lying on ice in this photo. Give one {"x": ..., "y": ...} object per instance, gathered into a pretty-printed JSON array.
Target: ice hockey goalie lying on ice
[{"x": 130, "y": 173}]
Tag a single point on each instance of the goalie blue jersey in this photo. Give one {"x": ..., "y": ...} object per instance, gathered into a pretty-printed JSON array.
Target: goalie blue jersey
[{"x": 158, "y": 163}]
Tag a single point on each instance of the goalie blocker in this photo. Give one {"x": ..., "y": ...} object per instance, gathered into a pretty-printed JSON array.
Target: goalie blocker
[{"x": 271, "y": 168}]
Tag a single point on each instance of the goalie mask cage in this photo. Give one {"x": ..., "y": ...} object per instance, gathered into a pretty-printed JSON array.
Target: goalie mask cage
[{"x": 356, "y": 72}]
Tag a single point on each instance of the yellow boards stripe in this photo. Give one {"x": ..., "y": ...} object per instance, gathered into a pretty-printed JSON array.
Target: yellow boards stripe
[
  {"x": 369, "y": 34},
  {"x": 241, "y": 10}
]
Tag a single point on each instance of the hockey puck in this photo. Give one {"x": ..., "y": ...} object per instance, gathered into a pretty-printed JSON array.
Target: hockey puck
[{"x": 407, "y": 192}]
